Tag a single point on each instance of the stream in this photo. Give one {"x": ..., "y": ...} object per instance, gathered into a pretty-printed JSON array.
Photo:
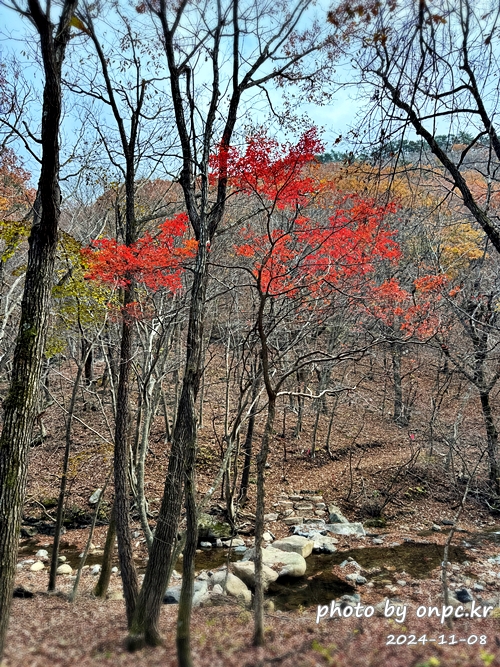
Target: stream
[{"x": 318, "y": 584}]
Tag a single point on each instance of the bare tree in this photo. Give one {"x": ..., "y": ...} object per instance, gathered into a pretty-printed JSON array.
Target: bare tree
[
  {"x": 430, "y": 69},
  {"x": 128, "y": 104},
  {"x": 212, "y": 39},
  {"x": 21, "y": 401},
  {"x": 475, "y": 355}
]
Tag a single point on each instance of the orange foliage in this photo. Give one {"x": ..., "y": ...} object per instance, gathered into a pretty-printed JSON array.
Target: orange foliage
[{"x": 156, "y": 262}]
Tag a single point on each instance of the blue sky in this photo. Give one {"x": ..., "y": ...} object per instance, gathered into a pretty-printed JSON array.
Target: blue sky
[{"x": 17, "y": 37}]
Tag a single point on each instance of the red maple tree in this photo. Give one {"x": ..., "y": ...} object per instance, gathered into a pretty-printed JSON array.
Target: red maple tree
[
  {"x": 155, "y": 261},
  {"x": 295, "y": 250},
  {"x": 321, "y": 255},
  {"x": 413, "y": 314},
  {"x": 271, "y": 170}
]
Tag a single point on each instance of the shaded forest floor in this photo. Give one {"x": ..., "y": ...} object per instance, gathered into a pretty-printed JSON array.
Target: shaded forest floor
[
  {"x": 48, "y": 630},
  {"x": 374, "y": 467}
]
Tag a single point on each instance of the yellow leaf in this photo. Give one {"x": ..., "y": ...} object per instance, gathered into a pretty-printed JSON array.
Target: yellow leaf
[{"x": 76, "y": 23}]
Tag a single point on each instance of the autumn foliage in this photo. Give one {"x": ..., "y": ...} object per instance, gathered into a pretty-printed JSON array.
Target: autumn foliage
[
  {"x": 268, "y": 169},
  {"x": 308, "y": 236},
  {"x": 321, "y": 255},
  {"x": 415, "y": 313},
  {"x": 304, "y": 245},
  {"x": 157, "y": 262},
  {"x": 16, "y": 199}
]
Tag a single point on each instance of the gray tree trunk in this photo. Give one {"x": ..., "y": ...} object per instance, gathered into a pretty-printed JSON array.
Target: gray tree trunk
[{"x": 22, "y": 398}]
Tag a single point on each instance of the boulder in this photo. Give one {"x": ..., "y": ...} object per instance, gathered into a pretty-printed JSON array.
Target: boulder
[
  {"x": 173, "y": 593},
  {"x": 286, "y": 563},
  {"x": 36, "y": 567},
  {"x": 310, "y": 530},
  {"x": 209, "y": 528},
  {"x": 463, "y": 595},
  {"x": 323, "y": 544},
  {"x": 246, "y": 572},
  {"x": 65, "y": 568},
  {"x": 346, "y": 528},
  {"x": 356, "y": 578},
  {"x": 236, "y": 542},
  {"x": 43, "y": 554},
  {"x": 94, "y": 498},
  {"x": 336, "y": 515},
  {"x": 200, "y": 591},
  {"x": 271, "y": 517},
  {"x": 292, "y": 521},
  {"x": 295, "y": 544},
  {"x": 233, "y": 586},
  {"x": 350, "y": 600}
]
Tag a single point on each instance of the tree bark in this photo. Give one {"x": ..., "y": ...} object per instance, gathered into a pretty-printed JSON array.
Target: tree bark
[
  {"x": 400, "y": 409},
  {"x": 64, "y": 479},
  {"x": 144, "y": 628},
  {"x": 121, "y": 465},
  {"x": 21, "y": 401},
  {"x": 247, "y": 449},
  {"x": 186, "y": 598},
  {"x": 88, "y": 360},
  {"x": 492, "y": 442},
  {"x": 258, "y": 637},
  {"x": 102, "y": 585}
]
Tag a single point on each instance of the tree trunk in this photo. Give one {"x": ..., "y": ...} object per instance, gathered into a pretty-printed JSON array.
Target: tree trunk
[
  {"x": 400, "y": 410},
  {"x": 20, "y": 408},
  {"x": 88, "y": 360},
  {"x": 121, "y": 463},
  {"x": 186, "y": 598},
  {"x": 150, "y": 400},
  {"x": 144, "y": 628},
  {"x": 102, "y": 585},
  {"x": 64, "y": 479},
  {"x": 300, "y": 411},
  {"x": 247, "y": 448},
  {"x": 21, "y": 401},
  {"x": 492, "y": 440},
  {"x": 258, "y": 638}
]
